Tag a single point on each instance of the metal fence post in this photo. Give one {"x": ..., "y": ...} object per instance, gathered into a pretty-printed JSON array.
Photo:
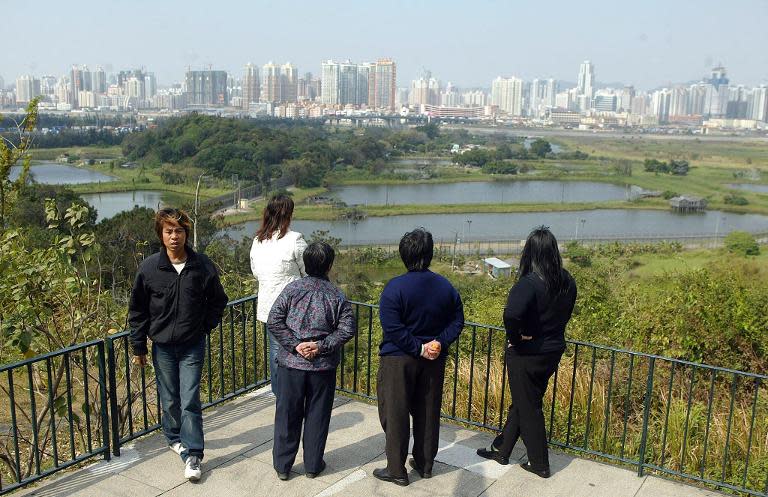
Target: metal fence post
[
  {"x": 646, "y": 412},
  {"x": 114, "y": 413},
  {"x": 103, "y": 400}
]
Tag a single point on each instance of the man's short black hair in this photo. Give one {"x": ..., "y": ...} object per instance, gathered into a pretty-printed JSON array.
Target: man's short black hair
[
  {"x": 318, "y": 259},
  {"x": 416, "y": 249}
]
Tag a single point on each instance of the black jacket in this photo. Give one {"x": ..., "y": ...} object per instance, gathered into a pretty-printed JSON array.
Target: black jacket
[
  {"x": 169, "y": 307},
  {"x": 531, "y": 312}
]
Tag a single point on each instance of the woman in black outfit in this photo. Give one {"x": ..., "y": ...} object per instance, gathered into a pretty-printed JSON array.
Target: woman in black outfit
[{"x": 538, "y": 308}]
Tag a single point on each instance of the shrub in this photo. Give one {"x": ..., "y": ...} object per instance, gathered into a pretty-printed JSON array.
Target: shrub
[
  {"x": 735, "y": 200},
  {"x": 578, "y": 254},
  {"x": 742, "y": 243},
  {"x": 668, "y": 194},
  {"x": 499, "y": 168}
]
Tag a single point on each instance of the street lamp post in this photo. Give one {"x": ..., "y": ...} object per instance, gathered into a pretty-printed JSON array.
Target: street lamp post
[
  {"x": 197, "y": 205},
  {"x": 717, "y": 230},
  {"x": 580, "y": 223},
  {"x": 455, "y": 242}
]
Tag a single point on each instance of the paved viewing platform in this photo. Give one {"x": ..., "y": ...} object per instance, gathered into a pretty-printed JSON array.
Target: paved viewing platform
[{"x": 238, "y": 461}]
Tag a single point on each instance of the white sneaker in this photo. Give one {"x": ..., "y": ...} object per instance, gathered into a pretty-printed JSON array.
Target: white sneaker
[
  {"x": 192, "y": 468},
  {"x": 177, "y": 447}
]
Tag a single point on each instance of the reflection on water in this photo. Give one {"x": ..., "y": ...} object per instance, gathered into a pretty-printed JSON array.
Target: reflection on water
[
  {"x": 51, "y": 173},
  {"x": 605, "y": 223},
  {"x": 109, "y": 204},
  {"x": 484, "y": 192},
  {"x": 752, "y": 187}
]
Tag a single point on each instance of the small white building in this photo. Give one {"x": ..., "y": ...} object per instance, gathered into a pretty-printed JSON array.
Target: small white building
[{"x": 497, "y": 268}]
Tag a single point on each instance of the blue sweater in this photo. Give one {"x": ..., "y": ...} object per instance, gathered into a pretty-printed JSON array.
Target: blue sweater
[{"x": 418, "y": 307}]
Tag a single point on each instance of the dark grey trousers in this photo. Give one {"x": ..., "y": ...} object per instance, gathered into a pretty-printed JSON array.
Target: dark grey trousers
[
  {"x": 305, "y": 397},
  {"x": 410, "y": 387}
]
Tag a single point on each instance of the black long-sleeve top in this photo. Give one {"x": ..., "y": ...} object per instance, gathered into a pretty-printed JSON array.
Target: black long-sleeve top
[
  {"x": 170, "y": 307},
  {"x": 531, "y": 312}
]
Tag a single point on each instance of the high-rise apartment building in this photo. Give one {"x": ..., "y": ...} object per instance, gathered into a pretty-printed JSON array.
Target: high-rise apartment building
[
  {"x": 586, "y": 81},
  {"x": 270, "y": 82},
  {"x": 150, "y": 85},
  {"x": 345, "y": 83},
  {"x": 384, "y": 85},
  {"x": 425, "y": 91},
  {"x": 542, "y": 96},
  {"x": 625, "y": 98},
  {"x": 99, "y": 80},
  {"x": 353, "y": 83},
  {"x": 563, "y": 100},
  {"x": 62, "y": 91},
  {"x": 507, "y": 95},
  {"x": 309, "y": 87},
  {"x": 678, "y": 102},
  {"x": 450, "y": 97},
  {"x": 550, "y": 93},
  {"x": 697, "y": 99},
  {"x": 535, "y": 97},
  {"x": 251, "y": 88},
  {"x": 474, "y": 98},
  {"x": 639, "y": 106},
  {"x": 660, "y": 104},
  {"x": 87, "y": 78},
  {"x": 330, "y": 75},
  {"x": 134, "y": 88},
  {"x": 758, "y": 106},
  {"x": 738, "y": 102},
  {"x": 279, "y": 83},
  {"x": 27, "y": 88},
  {"x": 349, "y": 83},
  {"x": 206, "y": 88},
  {"x": 47, "y": 85},
  {"x": 289, "y": 83},
  {"x": 77, "y": 84}
]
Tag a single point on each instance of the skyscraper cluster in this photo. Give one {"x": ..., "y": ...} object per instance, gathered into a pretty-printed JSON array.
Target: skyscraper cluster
[
  {"x": 280, "y": 90},
  {"x": 369, "y": 84}
]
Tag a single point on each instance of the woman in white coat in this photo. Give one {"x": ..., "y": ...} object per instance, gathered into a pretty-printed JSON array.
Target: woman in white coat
[{"x": 276, "y": 260}]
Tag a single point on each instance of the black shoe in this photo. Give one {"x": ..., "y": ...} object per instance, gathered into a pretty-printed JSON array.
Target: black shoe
[
  {"x": 420, "y": 471},
  {"x": 313, "y": 474},
  {"x": 283, "y": 476},
  {"x": 542, "y": 473},
  {"x": 383, "y": 475},
  {"x": 494, "y": 455}
]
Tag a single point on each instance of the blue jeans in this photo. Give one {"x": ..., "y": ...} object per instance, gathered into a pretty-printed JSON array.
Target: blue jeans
[
  {"x": 178, "y": 368},
  {"x": 274, "y": 345}
]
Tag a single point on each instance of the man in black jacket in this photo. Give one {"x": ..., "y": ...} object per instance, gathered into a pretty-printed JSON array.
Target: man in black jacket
[{"x": 177, "y": 299}]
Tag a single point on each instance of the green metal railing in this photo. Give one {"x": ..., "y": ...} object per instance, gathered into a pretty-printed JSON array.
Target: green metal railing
[
  {"x": 56, "y": 407},
  {"x": 236, "y": 358},
  {"x": 676, "y": 418},
  {"x": 671, "y": 417}
]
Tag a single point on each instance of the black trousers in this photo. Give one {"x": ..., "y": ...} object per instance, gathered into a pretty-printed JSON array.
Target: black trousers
[
  {"x": 528, "y": 378},
  {"x": 410, "y": 387},
  {"x": 305, "y": 396}
]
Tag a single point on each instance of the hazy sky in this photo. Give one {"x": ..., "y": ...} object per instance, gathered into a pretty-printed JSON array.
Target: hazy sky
[{"x": 648, "y": 43}]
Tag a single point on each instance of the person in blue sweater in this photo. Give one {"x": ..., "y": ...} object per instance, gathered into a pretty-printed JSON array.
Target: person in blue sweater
[{"x": 421, "y": 316}]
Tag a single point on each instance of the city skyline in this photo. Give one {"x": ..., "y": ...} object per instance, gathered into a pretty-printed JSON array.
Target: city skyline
[{"x": 466, "y": 44}]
